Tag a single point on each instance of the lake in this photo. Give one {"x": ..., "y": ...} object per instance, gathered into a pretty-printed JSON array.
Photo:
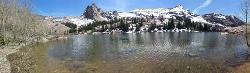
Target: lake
[{"x": 180, "y": 52}]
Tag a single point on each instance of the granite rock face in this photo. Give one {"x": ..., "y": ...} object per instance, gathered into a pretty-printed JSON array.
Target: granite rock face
[
  {"x": 93, "y": 12},
  {"x": 223, "y": 19}
]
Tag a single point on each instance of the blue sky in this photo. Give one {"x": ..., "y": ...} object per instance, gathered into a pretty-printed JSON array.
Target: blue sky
[{"x": 76, "y": 7}]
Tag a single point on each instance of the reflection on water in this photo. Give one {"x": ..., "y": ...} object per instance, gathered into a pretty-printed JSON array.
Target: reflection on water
[{"x": 134, "y": 53}]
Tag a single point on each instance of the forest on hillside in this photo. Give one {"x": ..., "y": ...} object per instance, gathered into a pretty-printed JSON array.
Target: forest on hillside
[{"x": 147, "y": 24}]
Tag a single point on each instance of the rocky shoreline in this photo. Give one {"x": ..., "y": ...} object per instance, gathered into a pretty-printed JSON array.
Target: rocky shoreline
[{"x": 4, "y": 52}]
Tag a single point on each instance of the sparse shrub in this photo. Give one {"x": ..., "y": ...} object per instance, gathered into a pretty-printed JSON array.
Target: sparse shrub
[{"x": 2, "y": 41}]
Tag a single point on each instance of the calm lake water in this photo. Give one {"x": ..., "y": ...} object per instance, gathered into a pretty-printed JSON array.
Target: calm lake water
[{"x": 134, "y": 53}]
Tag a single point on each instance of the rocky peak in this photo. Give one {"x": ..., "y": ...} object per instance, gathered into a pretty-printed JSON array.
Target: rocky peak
[
  {"x": 179, "y": 6},
  {"x": 94, "y": 5},
  {"x": 93, "y": 12}
]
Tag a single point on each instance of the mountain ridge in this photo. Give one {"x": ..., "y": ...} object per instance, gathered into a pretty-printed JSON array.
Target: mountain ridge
[{"x": 94, "y": 14}]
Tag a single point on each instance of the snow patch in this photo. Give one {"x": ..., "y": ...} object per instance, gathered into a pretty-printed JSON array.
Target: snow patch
[
  {"x": 198, "y": 19},
  {"x": 126, "y": 14},
  {"x": 221, "y": 17},
  {"x": 80, "y": 22}
]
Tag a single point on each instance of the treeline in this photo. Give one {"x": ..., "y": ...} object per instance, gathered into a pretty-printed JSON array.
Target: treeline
[
  {"x": 18, "y": 24},
  {"x": 186, "y": 23},
  {"x": 101, "y": 26},
  {"x": 136, "y": 24},
  {"x": 122, "y": 24}
]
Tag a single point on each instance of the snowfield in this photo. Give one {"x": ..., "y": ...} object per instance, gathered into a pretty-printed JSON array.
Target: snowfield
[
  {"x": 126, "y": 14},
  {"x": 80, "y": 22}
]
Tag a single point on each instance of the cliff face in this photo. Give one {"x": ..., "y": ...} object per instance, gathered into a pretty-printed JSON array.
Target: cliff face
[{"x": 223, "y": 19}]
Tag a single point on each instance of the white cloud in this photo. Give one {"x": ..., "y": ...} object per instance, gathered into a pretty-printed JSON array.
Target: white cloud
[{"x": 205, "y": 4}]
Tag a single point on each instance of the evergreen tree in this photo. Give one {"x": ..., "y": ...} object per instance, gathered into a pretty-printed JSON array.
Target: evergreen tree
[
  {"x": 171, "y": 24},
  {"x": 206, "y": 27},
  {"x": 102, "y": 28},
  {"x": 188, "y": 23},
  {"x": 138, "y": 26},
  {"x": 161, "y": 18},
  {"x": 152, "y": 16},
  {"x": 200, "y": 27},
  {"x": 152, "y": 27},
  {"x": 165, "y": 26},
  {"x": 72, "y": 26},
  {"x": 179, "y": 26},
  {"x": 193, "y": 26},
  {"x": 135, "y": 20},
  {"x": 124, "y": 26}
]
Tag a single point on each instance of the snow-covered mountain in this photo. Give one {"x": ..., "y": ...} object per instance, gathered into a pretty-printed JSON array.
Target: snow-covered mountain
[
  {"x": 165, "y": 12},
  {"x": 179, "y": 12},
  {"x": 92, "y": 13}
]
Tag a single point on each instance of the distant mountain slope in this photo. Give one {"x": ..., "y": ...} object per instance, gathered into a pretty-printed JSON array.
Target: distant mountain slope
[{"x": 223, "y": 19}]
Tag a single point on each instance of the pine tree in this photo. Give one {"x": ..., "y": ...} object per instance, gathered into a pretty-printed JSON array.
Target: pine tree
[
  {"x": 152, "y": 16},
  {"x": 206, "y": 27},
  {"x": 103, "y": 28},
  {"x": 135, "y": 20},
  {"x": 171, "y": 24},
  {"x": 138, "y": 26},
  {"x": 192, "y": 26},
  {"x": 161, "y": 18},
  {"x": 179, "y": 26},
  {"x": 165, "y": 26},
  {"x": 152, "y": 27},
  {"x": 124, "y": 26},
  {"x": 188, "y": 23},
  {"x": 200, "y": 27}
]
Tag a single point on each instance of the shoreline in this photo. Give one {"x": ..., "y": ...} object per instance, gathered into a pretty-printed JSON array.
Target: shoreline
[
  {"x": 5, "y": 66},
  {"x": 4, "y": 52},
  {"x": 4, "y": 62},
  {"x": 244, "y": 68}
]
